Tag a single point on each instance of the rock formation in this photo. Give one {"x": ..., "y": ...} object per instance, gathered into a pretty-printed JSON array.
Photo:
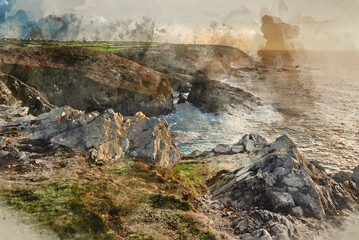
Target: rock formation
[
  {"x": 277, "y": 187},
  {"x": 190, "y": 63},
  {"x": 217, "y": 97},
  {"x": 105, "y": 137},
  {"x": 89, "y": 80},
  {"x": 249, "y": 143}
]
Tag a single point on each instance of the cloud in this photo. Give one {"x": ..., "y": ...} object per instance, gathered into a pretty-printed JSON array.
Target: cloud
[{"x": 323, "y": 22}]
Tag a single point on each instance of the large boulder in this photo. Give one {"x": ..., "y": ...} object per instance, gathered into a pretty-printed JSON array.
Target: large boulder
[
  {"x": 105, "y": 137},
  {"x": 218, "y": 97},
  {"x": 279, "y": 179},
  {"x": 90, "y": 80}
]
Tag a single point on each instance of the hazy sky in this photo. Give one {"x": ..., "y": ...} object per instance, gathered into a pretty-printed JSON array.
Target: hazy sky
[{"x": 332, "y": 20}]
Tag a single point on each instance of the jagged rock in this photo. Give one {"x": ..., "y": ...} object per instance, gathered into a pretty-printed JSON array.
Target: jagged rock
[
  {"x": 29, "y": 96},
  {"x": 107, "y": 136},
  {"x": 279, "y": 179},
  {"x": 104, "y": 136},
  {"x": 263, "y": 224},
  {"x": 252, "y": 143},
  {"x": 217, "y": 97},
  {"x": 153, "y": 141}
]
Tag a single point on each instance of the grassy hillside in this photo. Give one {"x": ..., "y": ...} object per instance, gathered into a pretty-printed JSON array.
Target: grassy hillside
[{"x": 126, "y": 200}]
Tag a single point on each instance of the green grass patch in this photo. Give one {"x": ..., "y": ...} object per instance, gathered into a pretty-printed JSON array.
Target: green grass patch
[
  {"x": 127, "y": 201},
  {"x": 60, "y": 206},
  {"x": 114, "y": 48},
  {"x": 169, "y": 202},
  {"x": 191, "y": 175}
]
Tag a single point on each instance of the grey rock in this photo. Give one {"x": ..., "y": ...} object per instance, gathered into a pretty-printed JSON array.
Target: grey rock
[
  {"x": 104, "y": 134},
  {"x": 281, "y": 200},
  {"x": 217, "y": 97},
  {"x": 263, "y": 224},
  {"x": 355, "y": 175},
  {"x": 342, "y": 176},
  {"x": 281, "y": 180},
  {"x": 237, "y": 149},
  {"x": 296, "y": 211},
  {"x": 222, "y": 149},
  {"x": 252, "y": 142},
  {"x": 153, "y": 141},
  {"x": 260, "y": 234},
  {"x": 280, "y": 232},
  {"x": 106, "y": 137}
]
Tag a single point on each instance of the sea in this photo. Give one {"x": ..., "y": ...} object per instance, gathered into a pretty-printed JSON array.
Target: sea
[{"x": 316, "y": 104}]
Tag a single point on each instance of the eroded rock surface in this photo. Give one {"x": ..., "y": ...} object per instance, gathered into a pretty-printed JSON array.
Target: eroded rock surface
[
  {"x": 276, "y": 188},
  {"x": 105, "y": 137}
]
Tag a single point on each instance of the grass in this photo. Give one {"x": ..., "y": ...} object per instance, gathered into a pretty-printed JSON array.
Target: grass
[
  {"x": 192, "y": 175},
  {"x": 107, "y": 47},
  {"x": 128, "y": 201}
]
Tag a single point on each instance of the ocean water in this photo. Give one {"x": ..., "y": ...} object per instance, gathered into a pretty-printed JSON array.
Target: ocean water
[{"x": 317, "y": 105}]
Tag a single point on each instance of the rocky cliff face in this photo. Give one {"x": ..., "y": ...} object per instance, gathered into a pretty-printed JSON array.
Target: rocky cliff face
[
  {"x": 89, "y": 80},
  {"x": 189, "y": 63},
  {"x": 278, "y": 186},
  {"x": 105, "y": 137}
]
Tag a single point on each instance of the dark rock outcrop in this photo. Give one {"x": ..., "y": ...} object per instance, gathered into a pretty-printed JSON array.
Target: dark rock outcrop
[
  {"x": 217, "y": 97},
  {"x": 280, "y": 184},
  {"x": 90, "y": 80}
]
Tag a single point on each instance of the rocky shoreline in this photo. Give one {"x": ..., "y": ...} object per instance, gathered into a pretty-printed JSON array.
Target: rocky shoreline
[{"x": 251, "y": 189}]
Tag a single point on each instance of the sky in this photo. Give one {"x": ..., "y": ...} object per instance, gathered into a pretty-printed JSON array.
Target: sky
[{"x": 325, "y": 24}]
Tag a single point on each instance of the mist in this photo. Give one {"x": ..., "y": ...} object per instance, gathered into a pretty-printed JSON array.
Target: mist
[{"x": 325, "y": 25}]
